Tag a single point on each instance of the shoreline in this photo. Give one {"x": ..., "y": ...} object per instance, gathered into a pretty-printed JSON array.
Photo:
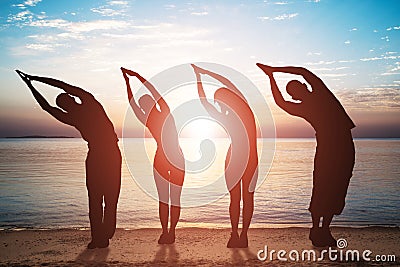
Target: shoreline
[
  {"x": 16, "y": 229},
  {"x": 258, "y": 138},
  {"x": 193, "y": 246}
]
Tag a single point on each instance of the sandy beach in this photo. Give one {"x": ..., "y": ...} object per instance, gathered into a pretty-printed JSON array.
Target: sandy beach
[{"x": 193, "y": 247}]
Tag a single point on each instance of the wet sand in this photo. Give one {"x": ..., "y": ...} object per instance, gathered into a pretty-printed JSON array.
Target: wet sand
[{"x": 193, "y": 247}]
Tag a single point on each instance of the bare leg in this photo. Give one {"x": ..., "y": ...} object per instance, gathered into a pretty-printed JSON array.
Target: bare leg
[
  {"x": 315, "y": 220},
  {"x": 316, "y": 232},
  {"x": 248, "y": 204},
  {"x": 110, "y": 217},
  {"x": 327, "y": 236},
  {"x": 234, "y": 214},
  {"x": 96, "y": 218},
  {"x": 175, "y": 190},
  {"x": 163, "y": 202},
  {"x": 327, "y": 219},
  {"x": 111, "y": 201},
  {"x": 234, "y": 207},
  {"x": 175, "y": 195},
  {"x": 163, "y": 212},
  {"x": 95, "y": 194},
  {"x": 248, "y": 209},
  {"x": 175, "y": 214}
]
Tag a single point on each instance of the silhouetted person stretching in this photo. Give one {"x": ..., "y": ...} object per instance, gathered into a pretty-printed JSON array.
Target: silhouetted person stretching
[
  {"x": 334, "y": 157},
  {"x": 103, "y": 162},
  {"x": 241, "y": 164},
  {"x": 169, "y": 163}
]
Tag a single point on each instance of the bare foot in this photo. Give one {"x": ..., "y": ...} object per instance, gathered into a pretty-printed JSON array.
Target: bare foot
[
  {"x": 233, "y": 241},
  {"x": 163, "y": 238}
]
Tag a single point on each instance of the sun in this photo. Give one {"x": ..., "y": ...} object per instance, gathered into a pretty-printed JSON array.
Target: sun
[{"x": 202, "y": 128}]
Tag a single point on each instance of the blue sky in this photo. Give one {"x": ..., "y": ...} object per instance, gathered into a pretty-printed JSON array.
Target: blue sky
[{"x": 354, "y": 46}]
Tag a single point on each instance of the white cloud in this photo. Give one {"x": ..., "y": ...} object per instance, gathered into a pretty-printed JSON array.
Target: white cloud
[
  {"x": 281, "y": 3},
  {"x": 204, "y": 13},
  {"x": 370, "y": 59},
  {"x": 395, "y": 68},
  {"x": 43, "y": 38},
  {"x": 388, "y": 85},
  {"x": 53, "y": 23},
  {"x": 108, "y": 12},
  {"x": 321, "y": 62},
  {"x": 117, "y": 36},
  {"x": 43, "y": 47},
  {"x": 88, "y": 26},
  {"x": 379, "y": 58},
  {"x": 120, "y": 3},
  {"x": 353, "y": 29},
  {"x": 391, "y": 57},
  {"x": 79, "y": 27},
  {"x": 32, "y": 2},
  {"x": 347, "y": 42},
  {"x": 334, "y": 74},
  {"x": 280, "y": 17},
  {"x": 374, "y": 97},
  {"x": 112, "y": 8},
  {"x": 286, "y": 16},
  {"x": 70, "y": 35},
  {"x": 390, "y": 73},
  {"x": 162, "y": 33},
  {"x": 331, "y": 69},
  {"x": 42, "y": 15},
  {"x": 314, "y": 53},
  {"x": 169, "y": 6},
  {"x": 21, "y": 17},
  {"x": 21, "y": 6},
  {"x": 393, "y": 28}
]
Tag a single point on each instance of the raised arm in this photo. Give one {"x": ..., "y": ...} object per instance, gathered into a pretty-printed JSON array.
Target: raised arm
[
  {"x": 136, "y": 109},
  {"x": 55, "y": 112},
  {"x": 289, "y": 107},
  {"x": 156, "y": 95},
  {"x": 227, "y": 83},
  {"x": 310, "y": 77},
  {"x": 203, "y": 99},
  {"x": 68, "y": 88}
]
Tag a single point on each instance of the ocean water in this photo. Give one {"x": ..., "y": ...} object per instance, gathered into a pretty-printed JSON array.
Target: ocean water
[{"x": 42, "y": 185}]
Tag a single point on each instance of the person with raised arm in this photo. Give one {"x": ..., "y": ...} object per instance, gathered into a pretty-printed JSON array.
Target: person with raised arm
[
  {"x": 103, "y": 162},
  {"x": 335, "y": 153},
  {"x": 241, "y": 164},
  {"x": 169, "y": 163}
]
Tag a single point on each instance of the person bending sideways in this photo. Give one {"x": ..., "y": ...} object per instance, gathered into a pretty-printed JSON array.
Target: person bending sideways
[
  {"x": 335, "y": 154},
  {"x": 103, "y": 162}
]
